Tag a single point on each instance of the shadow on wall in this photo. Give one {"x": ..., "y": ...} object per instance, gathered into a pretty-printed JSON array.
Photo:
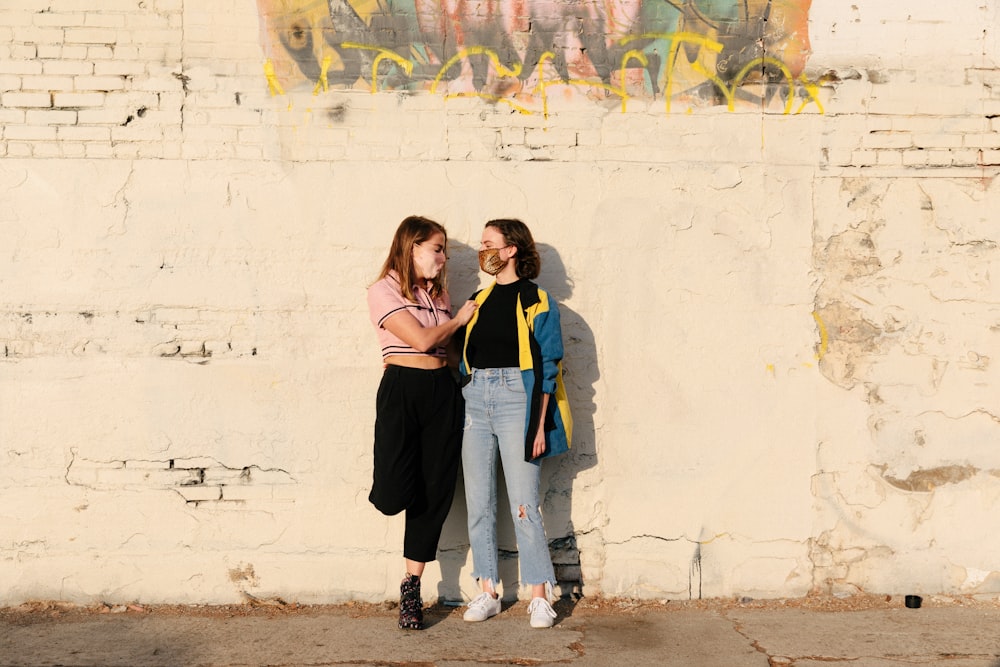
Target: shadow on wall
[
  {"x": 580, "y": 373},
  {"x": 453, "y": 548},
  {"x": 580, "y": 369}
]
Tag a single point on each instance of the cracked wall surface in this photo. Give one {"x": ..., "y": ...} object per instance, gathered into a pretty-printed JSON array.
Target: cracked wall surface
[
  {"x": 778, "y": 307},
  {"x": 909, "y": 310}
]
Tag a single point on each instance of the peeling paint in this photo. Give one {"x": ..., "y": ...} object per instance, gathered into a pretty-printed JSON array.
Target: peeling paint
[{"x": 925, "y": 481}]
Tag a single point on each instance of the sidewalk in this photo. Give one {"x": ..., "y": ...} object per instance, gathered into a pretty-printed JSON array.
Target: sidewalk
[{"x": 954, "y": 632}]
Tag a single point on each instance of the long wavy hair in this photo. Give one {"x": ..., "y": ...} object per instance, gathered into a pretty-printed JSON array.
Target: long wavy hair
[
  {"x": 413, "y": 231},
  {"x": 516, "y": 233}
]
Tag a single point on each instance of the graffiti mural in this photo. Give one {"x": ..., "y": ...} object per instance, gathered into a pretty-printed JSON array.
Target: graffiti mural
[{"x": 703, "y": 52}]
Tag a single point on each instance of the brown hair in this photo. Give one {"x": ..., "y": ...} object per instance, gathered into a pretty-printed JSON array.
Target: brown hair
[
  {"x": 517, "y": 234},
  {"x": 413, "y": 231}
]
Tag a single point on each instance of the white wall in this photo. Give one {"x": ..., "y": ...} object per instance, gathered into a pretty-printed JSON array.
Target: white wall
[{"x": 779, "y": 326}]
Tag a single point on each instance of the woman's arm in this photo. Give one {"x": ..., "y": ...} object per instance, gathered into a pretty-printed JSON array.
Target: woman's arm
[
  {"x": 548, "y": 333},
  {"x": 539, "y": 445},
  {"x": 406, "y": 327}
]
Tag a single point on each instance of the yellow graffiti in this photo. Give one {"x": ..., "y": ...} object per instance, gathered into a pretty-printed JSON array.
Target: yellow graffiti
[
  {"x": 676, "y": 41},
  {"x": 542, "y": 83},
  {"x": 502, "y": 69},
  {"x": 824, "y": 339},
  {"x": 323, "y": 82},
  {"x": 812, "y": 90},
  {"x": 730, "y": 91},
  {"x": 273, "y": 84},
  {"x": 632, "y": 54},
  {"x": 383, "y": 54}
]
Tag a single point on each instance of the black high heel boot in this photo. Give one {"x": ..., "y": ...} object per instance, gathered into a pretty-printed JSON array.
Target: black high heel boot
[{"x": 411, "y": 607}]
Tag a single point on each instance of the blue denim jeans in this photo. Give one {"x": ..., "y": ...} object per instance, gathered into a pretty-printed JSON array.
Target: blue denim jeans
[{"x": 495, "y": 413}]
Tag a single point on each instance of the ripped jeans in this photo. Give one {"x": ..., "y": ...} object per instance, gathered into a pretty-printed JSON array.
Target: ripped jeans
[{"x": 495, "y": 413}]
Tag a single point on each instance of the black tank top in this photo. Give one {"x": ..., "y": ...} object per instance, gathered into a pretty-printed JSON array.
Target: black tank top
[{"x": 493, "y": 341}]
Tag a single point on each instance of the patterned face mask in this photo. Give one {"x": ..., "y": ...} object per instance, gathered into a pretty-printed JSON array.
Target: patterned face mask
[{"x": 490, "y": 262}]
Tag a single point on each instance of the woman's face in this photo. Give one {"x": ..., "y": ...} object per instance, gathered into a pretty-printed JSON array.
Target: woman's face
[
  {"x": 429, "y": 257},
  {"x": 494, "y": 251},
  {"x": 492, "y": 238}
]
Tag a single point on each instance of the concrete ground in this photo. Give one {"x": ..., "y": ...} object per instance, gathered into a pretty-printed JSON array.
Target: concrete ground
[{"x": 864, "y": 632}]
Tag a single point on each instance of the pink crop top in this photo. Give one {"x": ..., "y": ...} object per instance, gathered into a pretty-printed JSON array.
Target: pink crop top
[{"x": 386, "y": 299}]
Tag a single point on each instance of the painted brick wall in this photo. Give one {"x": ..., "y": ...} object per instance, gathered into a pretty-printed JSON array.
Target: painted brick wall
[{"x": 776, "y": 291}]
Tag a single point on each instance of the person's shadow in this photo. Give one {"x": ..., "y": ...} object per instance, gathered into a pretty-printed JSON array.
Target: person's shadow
[
  {"x": 580, "y": 374},
  {"x": 453, "y": 548}
]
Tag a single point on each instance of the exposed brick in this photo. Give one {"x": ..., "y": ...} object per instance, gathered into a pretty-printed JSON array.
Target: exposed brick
[
  {"x": 38, "y": 35},
  {"x": 72, "y": 67},
  {"x": 50, "y": 83},
  {"x": 100, "y": 52},
  {"x": 99, "y": 150},
  {"x": 937, "y": 140},
  {"x": 965, "y": 158},
  {"x": 247, "y": 492},
  {"x": 26, "y": 99},
  {"x": 26, "y": 67},
  {"x": 78, "y": 99},
  {"x": 9, "y": 82},
  {"x": 199, "y": 493},
  {"x": 147, "y": 36},
  {"x": 119, "y": 68},
  {"x": 60, "y": 19},
  {"x": 70, "y": 149},
  {"x": 890, "y": 158},
  {"x": 105, "y": 83},
  {"x": 939, "y": 158},
  {"x": 77, "y": 133},
  {"x": 147, "y": 20},
  {"x": 91, "y": 36},
  {"x": 51, "y": 117},
  {"x": 104, "y": 20},
  {"x": 915, "y": 158},
  {"x": 126, "y": 53},
  {"x": 125, "y": 150},
  {"x": 18, "y": 149},
  {"x": 985, "y": 140},
  {"x": 22, "y": 51},
  {"x": 887, "y": 140},
  {"x": 11, "y": 116},
  {"x": 101, "y": 116},
  {"x": 863, "y": 158},
  {"x": 136, "y": 132},
  {"x": 248, "y": 117},
  {"x": 11, "y": 18}
]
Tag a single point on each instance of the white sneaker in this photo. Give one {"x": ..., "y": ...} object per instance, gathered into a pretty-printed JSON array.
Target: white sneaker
[
  {"x": 483, "y": 606},
  {"x": 541, "y": 612}
]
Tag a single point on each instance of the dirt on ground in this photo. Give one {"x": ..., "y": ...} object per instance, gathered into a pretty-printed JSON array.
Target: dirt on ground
[{"x": 49, "y": 611}]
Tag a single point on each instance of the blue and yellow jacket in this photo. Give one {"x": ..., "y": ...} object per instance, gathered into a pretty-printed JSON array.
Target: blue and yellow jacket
[{"x": 539, "y": 338}]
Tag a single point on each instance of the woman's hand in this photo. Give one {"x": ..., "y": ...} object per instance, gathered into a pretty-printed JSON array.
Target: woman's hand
[
  {"x": 408, "y": 329},
  {"x": 464, "y": 313},
  {"x": 538, "y": 448}
]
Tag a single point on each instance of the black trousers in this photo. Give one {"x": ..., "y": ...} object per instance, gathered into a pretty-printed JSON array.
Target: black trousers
[{"x": 418, "y": 442}]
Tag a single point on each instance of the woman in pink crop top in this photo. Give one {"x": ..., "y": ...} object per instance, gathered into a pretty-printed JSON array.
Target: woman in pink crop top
[{"x": 419, "y": 411}]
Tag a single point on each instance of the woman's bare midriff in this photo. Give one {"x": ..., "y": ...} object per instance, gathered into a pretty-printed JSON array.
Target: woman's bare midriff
[{"x": 426, "y": 363}]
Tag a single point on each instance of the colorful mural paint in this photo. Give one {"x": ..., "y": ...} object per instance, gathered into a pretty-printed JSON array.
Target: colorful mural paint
[{"x": 701, "y": 52}]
